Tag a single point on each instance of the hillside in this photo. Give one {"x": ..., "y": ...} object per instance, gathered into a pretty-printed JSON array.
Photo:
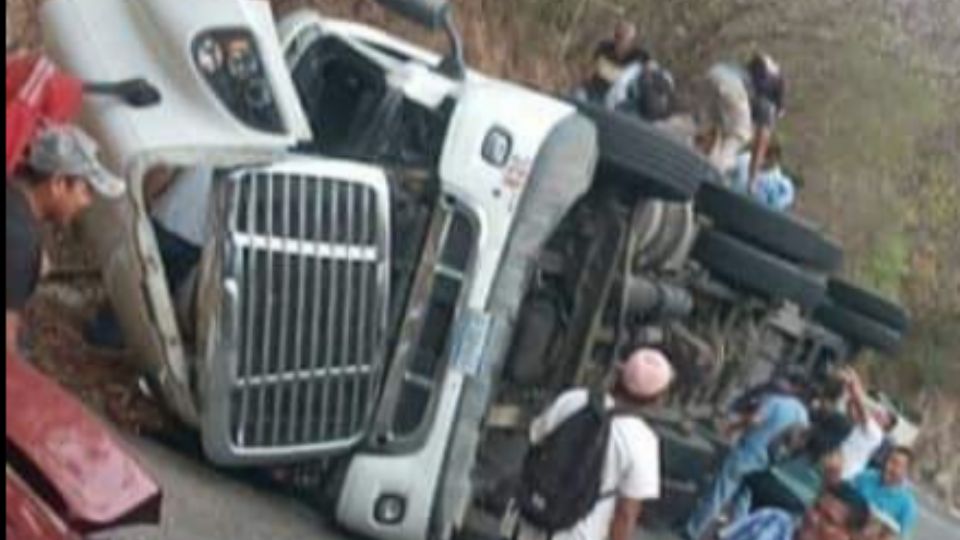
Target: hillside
[{"x": 873, "y": 127}]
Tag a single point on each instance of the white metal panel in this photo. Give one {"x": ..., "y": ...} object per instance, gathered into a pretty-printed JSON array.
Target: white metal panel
[
  {"x": 495, "y": 193},
  {"x": 111, "y": 40}
]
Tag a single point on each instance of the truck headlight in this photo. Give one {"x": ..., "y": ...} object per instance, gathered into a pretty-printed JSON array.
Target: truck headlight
[
  {"x": 231, "y": 64},
  {"x": 390, "y": 509}
]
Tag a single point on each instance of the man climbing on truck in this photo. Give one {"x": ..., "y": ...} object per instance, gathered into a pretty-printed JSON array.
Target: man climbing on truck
[
  {"x": 610, "y": 59},
  {"x": 738, "y": 107}
]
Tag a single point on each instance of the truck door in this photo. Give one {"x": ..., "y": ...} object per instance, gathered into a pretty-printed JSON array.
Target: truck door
[{"x": 366, "y": 99}]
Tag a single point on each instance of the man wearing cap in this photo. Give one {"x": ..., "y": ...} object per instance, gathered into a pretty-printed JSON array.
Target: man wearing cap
[
  {"x": 632, "y": 465},
  {"x": 55, "y": 184}
]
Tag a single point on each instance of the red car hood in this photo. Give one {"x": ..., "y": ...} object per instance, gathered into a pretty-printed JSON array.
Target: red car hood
[{"x": 65, "y": 453}]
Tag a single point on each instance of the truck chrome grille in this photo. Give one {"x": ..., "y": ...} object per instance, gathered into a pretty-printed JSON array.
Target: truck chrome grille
[{"x": 308, "y": 260}]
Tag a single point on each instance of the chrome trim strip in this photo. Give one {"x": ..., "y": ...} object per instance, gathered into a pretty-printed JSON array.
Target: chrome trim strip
[{"x": 305, "y": 248}]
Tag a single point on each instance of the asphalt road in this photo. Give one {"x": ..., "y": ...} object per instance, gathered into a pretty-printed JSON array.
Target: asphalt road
[
  {"x": 201, "y": 503},
  {"x": 936, "y": 525}
]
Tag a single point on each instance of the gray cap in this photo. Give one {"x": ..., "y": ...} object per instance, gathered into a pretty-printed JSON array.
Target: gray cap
[{"x": 70, "y": 151}]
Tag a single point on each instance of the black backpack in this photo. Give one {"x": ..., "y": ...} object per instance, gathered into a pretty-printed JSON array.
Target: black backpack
[{"x": 561, "y": 479}]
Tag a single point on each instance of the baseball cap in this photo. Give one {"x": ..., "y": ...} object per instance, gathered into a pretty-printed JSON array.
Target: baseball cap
[
  {"x": 646, "y": 373},
  {"x": 70, "y": 151}
]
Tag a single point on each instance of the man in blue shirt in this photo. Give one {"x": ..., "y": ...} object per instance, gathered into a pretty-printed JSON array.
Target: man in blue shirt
[
  {"x": 778, "y": 416},
  {"x": 771, "y": 186},
  {"x": 839, "y": 514},
  {"x": 889, "y": 491}
]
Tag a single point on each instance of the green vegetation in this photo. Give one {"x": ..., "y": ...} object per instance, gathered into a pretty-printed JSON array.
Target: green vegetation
[{"x": 887, "y": 266}]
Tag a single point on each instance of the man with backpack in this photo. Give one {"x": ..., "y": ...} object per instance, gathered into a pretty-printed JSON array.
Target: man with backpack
[{"x": 594, "y": 460}]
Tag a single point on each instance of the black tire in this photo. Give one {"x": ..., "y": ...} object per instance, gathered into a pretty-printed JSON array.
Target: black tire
[
  {"x": 636, "y": 154},
  {"x": 858, "y": 328},
  {"x": 740, "y": 264},
  {"x": 869, "y": 303},
  {"x": 776, "y": 232}
]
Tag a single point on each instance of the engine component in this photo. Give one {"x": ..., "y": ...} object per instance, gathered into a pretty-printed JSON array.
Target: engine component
[{"x": 650, "y": 300}]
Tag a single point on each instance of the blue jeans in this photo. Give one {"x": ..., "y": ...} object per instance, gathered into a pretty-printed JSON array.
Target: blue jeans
[
  {"x": 728, "y": 488},
  {"x": 179, "y": 256}
]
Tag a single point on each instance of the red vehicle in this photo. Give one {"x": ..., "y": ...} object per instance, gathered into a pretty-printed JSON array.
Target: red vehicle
[
  {"x": 37, "y": 93},
  {"x": 66, "y": 475}
]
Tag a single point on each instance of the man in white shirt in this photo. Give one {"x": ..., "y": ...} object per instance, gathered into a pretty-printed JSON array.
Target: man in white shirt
[
  {"x": 632, "y": 466},
  {"x": 871, "y": 426},
  {"x": 183, "y": 208}
]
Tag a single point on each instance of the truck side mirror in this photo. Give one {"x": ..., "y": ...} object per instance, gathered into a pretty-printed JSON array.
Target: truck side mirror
[
  {"x": 429, "y": 13},
  {"x": 435, "y": 15}
]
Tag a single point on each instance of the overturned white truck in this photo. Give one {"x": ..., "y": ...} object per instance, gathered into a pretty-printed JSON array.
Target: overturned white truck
[{"x": 404, "y": 257}]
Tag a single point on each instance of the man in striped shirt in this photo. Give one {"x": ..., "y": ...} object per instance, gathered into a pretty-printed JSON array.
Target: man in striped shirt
[{"x": 840, "y": 514}]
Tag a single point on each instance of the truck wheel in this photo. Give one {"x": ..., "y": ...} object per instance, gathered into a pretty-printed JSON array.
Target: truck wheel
[
  {"x": 636, "y": 154},
  {"x": 868, "y": 303},
  {"x": 774, "y": 231},
  {"x": 858, "y": 328},
  {"x": 738, "y": 263}
]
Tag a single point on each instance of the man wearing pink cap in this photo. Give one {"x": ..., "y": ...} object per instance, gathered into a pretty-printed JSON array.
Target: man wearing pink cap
[{"x": 631, "y": 468}]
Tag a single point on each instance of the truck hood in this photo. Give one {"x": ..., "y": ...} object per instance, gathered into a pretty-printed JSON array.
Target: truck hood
[
  {"x": 114, "y": 40},
  {"x": 55, "y": 443}
]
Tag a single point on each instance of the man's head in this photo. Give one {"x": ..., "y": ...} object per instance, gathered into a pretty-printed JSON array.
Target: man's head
[
  {"x": 896, "y": 470},
  {"x": 886, "y": 419},
  {"x": 62, "y": 174},
  {"x": 768, "y": 79},
  {"x": 645, "y": 376},
  {"x": 657, "y": 93},
  {"x": 624, "y": 35},
  {"x": 839, "y": 514}
]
